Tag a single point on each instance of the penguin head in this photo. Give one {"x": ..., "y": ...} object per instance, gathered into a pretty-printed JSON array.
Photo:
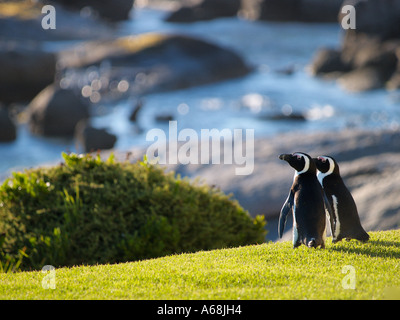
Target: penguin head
[
  {"x": 300, "y": 161},
  {"x": 326, "y": 165}
]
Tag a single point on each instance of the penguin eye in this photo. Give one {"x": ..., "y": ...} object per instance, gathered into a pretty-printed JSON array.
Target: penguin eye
[{"x": 298, "y": 157}]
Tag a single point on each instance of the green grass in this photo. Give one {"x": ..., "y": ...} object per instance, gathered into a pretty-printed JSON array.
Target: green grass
[{"x": 267, "y": 271}]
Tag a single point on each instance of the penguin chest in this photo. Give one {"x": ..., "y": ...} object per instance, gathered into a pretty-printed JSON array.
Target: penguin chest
[
  {"x": 308, "y": 215},
  {"x": 335, "y": 204},
  {"x": 295, "y": 231}
]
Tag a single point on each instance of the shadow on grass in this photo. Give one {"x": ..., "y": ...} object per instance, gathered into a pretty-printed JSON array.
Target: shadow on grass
[{"x": 373, "y": 248}]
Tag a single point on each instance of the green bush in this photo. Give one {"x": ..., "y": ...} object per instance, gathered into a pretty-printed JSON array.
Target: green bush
[{"x": 88, "y": 211}]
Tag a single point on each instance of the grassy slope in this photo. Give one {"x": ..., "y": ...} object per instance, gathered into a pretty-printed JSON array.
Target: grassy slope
[{"x": 267, "y": 271}]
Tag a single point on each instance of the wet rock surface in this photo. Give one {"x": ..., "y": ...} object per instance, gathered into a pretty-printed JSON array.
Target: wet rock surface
[
  {"x": 55, "y": 112},
  {"x": 93, "y": 139},
  {"x": 156, "y": 62}
]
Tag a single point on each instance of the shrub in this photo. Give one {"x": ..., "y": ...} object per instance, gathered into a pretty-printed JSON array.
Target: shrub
[{"x": 88, "y": 211}]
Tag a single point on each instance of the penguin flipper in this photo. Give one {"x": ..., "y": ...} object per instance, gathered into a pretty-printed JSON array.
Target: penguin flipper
[
  {"x": 287, "y": 207},
  {"x": 332, "y": 218}
]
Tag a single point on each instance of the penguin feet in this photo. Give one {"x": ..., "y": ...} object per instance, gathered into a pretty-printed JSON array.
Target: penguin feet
[
  {"x": 311, "y": 244},
  {"x": 314, "y": 244},
  {"x": 364, "y": 237}
]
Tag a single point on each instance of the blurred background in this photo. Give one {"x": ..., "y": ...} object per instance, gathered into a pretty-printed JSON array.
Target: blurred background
[{"x": 112, "y": 70}]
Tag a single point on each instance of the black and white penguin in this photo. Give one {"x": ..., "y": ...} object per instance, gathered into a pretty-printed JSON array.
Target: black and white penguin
[
  {"x": 345, "y": 222},
  {"x": 306, "y": 202}
]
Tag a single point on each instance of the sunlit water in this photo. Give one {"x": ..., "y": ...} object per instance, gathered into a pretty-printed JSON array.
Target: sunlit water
[{"x": 272, "y": 48}]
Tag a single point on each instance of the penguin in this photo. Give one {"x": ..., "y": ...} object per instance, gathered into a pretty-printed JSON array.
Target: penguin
[
  {"x": 345, "y": 221},
  {"x": 305, "y": 201}
]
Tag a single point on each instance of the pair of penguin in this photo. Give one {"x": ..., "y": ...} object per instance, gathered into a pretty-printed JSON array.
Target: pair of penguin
[{"x": 318, "y": 190}]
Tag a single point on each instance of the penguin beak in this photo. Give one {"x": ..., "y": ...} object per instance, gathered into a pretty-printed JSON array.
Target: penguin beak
[{"x": 285, "y": 157}]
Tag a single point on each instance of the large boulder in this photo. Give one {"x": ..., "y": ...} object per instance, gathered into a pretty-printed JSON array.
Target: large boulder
[
  {"x": 155, "y": 62},
  {"x": 363, "y": 79},
  {"x": 205, "y": 10},
  {"x": 363, "y": 50},
  {"x": 25, "y": 71},
  {"x": 363, "y": 63},
  {"x": 8, "y": 130},
  {"x": 92, "y": 139},
  {"x": 328, "y": 60},
  {"x": 55, "y": 112},
  {"x": 373, "y": 61}
]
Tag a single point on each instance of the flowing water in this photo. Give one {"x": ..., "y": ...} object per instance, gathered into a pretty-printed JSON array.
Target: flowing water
[{"x": 279, "y": 53}]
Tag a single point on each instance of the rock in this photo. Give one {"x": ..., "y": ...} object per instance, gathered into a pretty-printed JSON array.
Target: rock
[
  {"x": 375, "y": 191},
  {"x": 287, "y": 71},
  {"x": 56, "y": 111},
  {"x": 8, "y": 130},
  {"x": 360, "y": 51},
  {"x": 112, "y": 10},
  {"x": 292, "y": 116},
  {"x": 25, "y": 71},
  {"x": 292, "y": 10},
  {"x": 362, "y": 79},
  {"x": 394, "y": 82},
  {"x": 205, "y": 10},
  {"x": 360, "y": 67},
  {"x": 372, "y": 61},
  {"x": 327, "y": 61},
  {"x": 164, "y": 117},
  {"x": 93, "y": 139},
  {"x": 156, "y": 62}
]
